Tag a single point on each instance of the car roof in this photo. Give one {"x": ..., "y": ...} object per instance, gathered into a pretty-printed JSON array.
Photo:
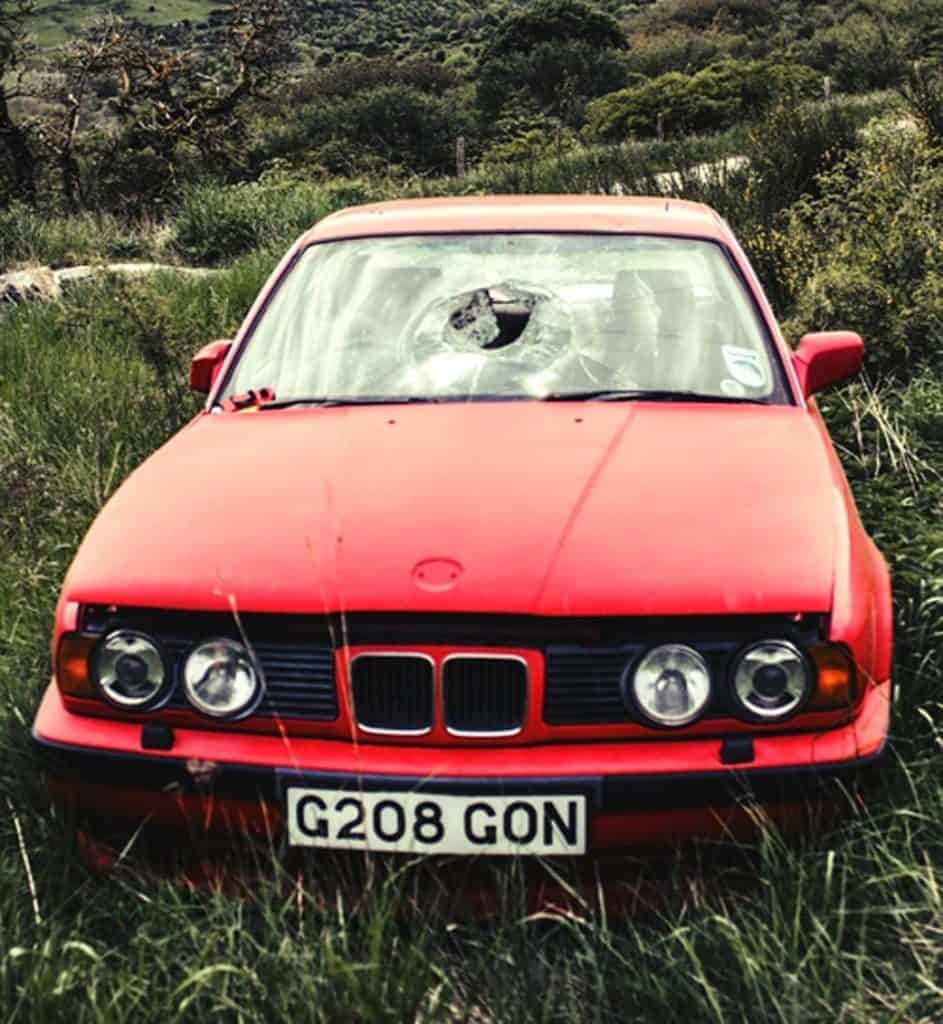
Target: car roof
[{"x": 573, "y": 213}]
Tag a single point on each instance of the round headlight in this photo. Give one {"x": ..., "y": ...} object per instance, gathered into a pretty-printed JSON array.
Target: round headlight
[
  {"x": 772, "y": 679},
  {"x": 671, "y": 685},
  {"x": 130, "y": 669},
  {"x": 220, "y": 680}
]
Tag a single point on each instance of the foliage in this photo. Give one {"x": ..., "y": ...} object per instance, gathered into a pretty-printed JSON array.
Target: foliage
[
  {"x": 711, "y": 99},
  {"x": 679, "y": 48},
  {"x": 552, "y": 57},
  {"x": 862, "y": 52},
  {"x": 706, "y": 14},
  {"x": 378, "y": 129},
  {"x": 550, "y": 21},
  {"x": 216, "y": 224},
  {"x": 355, "y": 76},
  {"x": 168, "y": 109},
  {"x": 870, "y": 250},
  {"x": 28, "y": 235},
  {"x": 923, "y": 91},
  {"x": 17, "y": 163}
]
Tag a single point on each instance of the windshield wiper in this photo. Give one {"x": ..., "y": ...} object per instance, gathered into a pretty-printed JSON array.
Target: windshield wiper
[
  {"x": 333, "y": 402},
  {"x": 641, "y": 395}
]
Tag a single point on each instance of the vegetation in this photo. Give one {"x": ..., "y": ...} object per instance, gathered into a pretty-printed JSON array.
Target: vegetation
[{"x": 838, "y": 204}]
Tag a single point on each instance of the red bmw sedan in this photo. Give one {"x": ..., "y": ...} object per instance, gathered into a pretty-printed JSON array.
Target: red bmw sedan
[{"x": 509, "y": 526}]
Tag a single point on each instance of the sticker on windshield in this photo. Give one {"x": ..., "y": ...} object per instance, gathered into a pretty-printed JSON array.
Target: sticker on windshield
[
  {"x": 745, "y": 366},
  {"x": 732, "y": 388}
]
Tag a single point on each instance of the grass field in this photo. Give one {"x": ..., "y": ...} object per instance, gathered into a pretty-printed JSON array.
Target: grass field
[
  {"x": 56, "y": 21},
  {"x": 844, "y": 925}
]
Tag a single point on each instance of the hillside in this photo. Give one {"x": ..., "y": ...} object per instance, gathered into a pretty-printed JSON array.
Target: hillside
[{"x": 343, "y": 25}]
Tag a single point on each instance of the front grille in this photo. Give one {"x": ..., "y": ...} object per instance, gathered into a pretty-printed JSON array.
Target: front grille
[
  {"x": 392, "y": 693},
  {"x": 299, "y": 680},
  {"x": 484, "y": 695}
]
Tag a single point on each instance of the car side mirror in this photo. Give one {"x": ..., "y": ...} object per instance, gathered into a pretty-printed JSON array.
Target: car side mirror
[
  {"x": 206, "y": 364},
  {"x": 827, "y": 358}
]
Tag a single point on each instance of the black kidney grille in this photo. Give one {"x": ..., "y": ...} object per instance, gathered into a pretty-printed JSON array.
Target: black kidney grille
[
  {"x": 583, "y": 685},
  {"x": 299, "y": 680},
  {"x": 392, "y": 693},
  {"x": 484, "y": 695}
]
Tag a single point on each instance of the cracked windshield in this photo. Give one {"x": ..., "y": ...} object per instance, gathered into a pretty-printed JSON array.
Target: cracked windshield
[{"x": 508, "y": 316}]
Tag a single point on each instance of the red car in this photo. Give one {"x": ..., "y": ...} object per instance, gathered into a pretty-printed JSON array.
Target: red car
[{"x": 509, "y": 526}]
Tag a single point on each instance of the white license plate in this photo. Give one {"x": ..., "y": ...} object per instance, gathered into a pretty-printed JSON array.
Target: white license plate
[{"x": 423, "y": 823}]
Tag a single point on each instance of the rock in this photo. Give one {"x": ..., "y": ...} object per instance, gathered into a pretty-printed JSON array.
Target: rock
[
  {"x": 29, "y": 283},
  {"x": 68, "y": 277},
  {"x": 47, "y": 285}
]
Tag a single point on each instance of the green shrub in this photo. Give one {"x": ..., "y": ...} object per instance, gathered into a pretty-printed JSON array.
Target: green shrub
[
  {"x": 30, "y": 235},
  {"x": 216, "y": 223},
  {"x": 551, "y": 57},
  {"x": 679, "y": 48},
  {"x": 704, "y": 14},
  {"x": 860, "y": 53},
  {"x": 872, "y": 244},
  {"x": 387, "y": 125},
  {"x": 713, "y": 98}
]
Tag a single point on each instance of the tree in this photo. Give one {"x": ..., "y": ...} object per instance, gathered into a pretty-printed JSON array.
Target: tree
[
  {"x": 171, "y": 95},
  {"x": 552, "y": 56},
  {"x": 14, "y": 138},
  {"x": 75, "y": 70},
  {"x": 553, "y": 21}
]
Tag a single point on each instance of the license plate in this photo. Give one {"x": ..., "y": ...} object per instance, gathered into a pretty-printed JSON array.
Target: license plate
[{"x": 432, "y": 824}]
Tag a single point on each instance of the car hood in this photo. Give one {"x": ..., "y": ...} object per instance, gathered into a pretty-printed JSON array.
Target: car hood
[{"x": 510, "y": 507}]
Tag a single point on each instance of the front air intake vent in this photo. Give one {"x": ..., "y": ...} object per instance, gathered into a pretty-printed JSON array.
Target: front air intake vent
[
  {"x": 484, "y": 695},
  {"x": 393, "y": 693}
]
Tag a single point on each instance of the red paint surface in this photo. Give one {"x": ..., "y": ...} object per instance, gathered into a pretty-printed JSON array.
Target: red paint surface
[{"x": 551, "y": 509}]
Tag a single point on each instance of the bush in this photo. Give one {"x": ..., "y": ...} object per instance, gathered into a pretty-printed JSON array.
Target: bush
[
  {"x": 872, "y": 245},
  {"x": 704, "y": 14},
  {"x": 858, "y": 54},
  {"x": 552, "y": 56},
  {"x": 216, "y": 223},
  {"x": 29, "y": 235},
  {"x": 679, "y": 48},
  {"x": 352, "y": 76},
  {"x": 368, "y": 131},
  {"x": 716, "y": 97}
]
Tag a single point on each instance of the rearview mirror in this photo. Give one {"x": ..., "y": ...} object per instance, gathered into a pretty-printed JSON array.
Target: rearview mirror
[
  {"x": 206, "y": 364},
  {"x": 827, "y": 358}
]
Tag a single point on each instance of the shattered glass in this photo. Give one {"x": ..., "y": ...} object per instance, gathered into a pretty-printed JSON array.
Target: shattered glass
[{"x": 507, "y": 315}]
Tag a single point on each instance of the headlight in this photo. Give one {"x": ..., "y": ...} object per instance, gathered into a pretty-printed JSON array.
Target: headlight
[
  {"x": 129, "y": 669},
  {"x": 220, "y": 680},
  {"x": 772, "y": 679},
  {"x": 671, "y": 685}
]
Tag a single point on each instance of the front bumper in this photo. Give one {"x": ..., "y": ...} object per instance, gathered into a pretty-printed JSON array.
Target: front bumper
[{"x": 657, "y": 791}]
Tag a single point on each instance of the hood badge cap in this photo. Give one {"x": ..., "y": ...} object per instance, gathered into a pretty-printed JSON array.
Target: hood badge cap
[{"x": 437, "y": 574}]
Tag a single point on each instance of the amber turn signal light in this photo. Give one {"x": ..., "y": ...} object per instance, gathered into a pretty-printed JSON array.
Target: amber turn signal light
[
  {"x": 72, "y": 665},
  {"x": 835, "y": 678}
]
